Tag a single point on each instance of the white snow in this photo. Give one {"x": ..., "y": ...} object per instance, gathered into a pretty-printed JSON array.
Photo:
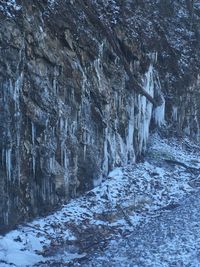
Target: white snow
[
  {"x": 12, "y": 253},
  {"x": 8, "y": 6}
]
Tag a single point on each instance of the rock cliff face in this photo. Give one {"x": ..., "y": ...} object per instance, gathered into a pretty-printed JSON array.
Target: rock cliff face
[{"x": 81, "y": 82}]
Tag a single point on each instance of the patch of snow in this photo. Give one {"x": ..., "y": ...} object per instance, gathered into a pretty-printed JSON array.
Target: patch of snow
[
  {"x": 12, "y": 251},
  {"x": 9, "y": 7}
]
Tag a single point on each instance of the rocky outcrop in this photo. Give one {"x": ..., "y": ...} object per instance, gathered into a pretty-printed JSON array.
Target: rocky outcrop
[{"x": 78, "y": 83}]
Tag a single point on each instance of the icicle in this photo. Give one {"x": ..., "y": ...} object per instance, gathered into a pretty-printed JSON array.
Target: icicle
[
  {"x": 2, "y": 156},
  {"x": 86, "y": 141},
  {"x": 51, "y": 163},
  {"x": 130, "y": 130},
  {"x": 105, "y": 158},
  {"x": 130, "y": 134},
  {"x": 174, "y": 113},
  {"x": 98, "y": 69},
  {"x": 112, "y": 144},
  {"x": 122, "y": 150},
  {"x": 55, "y": 85},
  {"x": 145, "y": 109},
  {"x": 73, "y": 127},
  {"x": 55, "y": 75},
  {"x": 33, "y": 165},
  {"x": 84, "y": 80},
  {"x": 153, "y": 57},
  {"x": 61, "y": 125},
  {"x": 8, "y": 162},
  {"x": 16, "y": 92},
  {"x": 44, "y": 189},
  {"x": 65, "y": 160},
  {"x": 84, "y": 151},
  {"x": 159, "y": 113},
  {"x": 196, "y": 121},
  {"x": 33, "y": 134},
  {"x": 16, "y": 97},
  {"x": 62, "y": 152}
]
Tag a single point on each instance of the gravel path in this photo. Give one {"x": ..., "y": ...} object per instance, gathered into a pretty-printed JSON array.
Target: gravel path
[{"x": 167, "y": 240}]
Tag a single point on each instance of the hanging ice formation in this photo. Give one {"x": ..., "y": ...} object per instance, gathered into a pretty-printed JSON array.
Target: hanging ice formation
[
  {"x": 16, "y": 96},
  {"x": 116, "y": 150},
  {"x": 159, "y": 113},
  {"x": 8, "y": 153},
  {"x": 66, "y": 169},
  {"x": 105, "y": 160},
  {"x": 64, "y": 157},
  {"x": 145, "y": 110},
  {"x": 33, "y": 134},
  {"x": 196, "y": 121},
  {"x": 129, "y": 141},
  {"x": 98, "y": 67},
  {"x": 12, "y": 95},
  {"x": 174, "y": 113},
  {"x": 152, "y": 86}
]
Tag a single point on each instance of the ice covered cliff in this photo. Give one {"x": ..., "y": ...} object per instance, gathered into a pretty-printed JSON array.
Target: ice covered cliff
[{"x": 81, "y": 82}]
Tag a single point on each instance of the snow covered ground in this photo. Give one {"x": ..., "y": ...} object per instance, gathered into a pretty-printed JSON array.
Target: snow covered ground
[
  {"x": 131, "y": 219},
  {"x": 9, "y": 7},
  {"x": 170, "y": 239}
]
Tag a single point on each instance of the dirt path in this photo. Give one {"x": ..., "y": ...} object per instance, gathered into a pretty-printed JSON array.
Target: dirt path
[{"x": 167, "y": 240}]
